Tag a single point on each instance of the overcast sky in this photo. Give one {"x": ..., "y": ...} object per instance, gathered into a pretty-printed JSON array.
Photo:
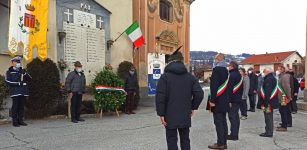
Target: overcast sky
[{"x": 251, "y": 26}]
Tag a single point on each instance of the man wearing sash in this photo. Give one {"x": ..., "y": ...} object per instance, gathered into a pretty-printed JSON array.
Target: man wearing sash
[
  {"x": 178, "y": 96},
  {"x": 268, "y": 101},
  {"x": 219, "y": 100},
  {"x": 236, "y": 91},
  {"x": 285, "y": 97}
]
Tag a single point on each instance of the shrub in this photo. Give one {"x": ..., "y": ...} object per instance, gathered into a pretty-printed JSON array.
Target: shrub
[
  {"x": 4, "y": 91},
  {"x": 44, "y": 88},
  {"x": 122, "y": 71},
  {"x": 108, "y": 100}
]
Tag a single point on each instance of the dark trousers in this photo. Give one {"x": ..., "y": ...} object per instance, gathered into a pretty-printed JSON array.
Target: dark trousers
[
  {"x": 243, "y": 108},
  {"x": 18, "y": 108},
  {"x": 252, "y": 101},
  {"x": 293, "y": 104},
  {"x": 129, "y": 105},
  {"x": 234, "y": 119},
  {"x": 221, "y": 127},
  {"x": 286, "y": 117},
  {"x": 269, "y": 123},
  {"x": 76, "y": 102},
  {"x": 172, "y": 139}
]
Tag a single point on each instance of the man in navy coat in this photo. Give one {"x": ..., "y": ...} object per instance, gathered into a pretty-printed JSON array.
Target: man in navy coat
[
  {"x": 17, "y": 80},
  {"x": 219, "y": 100},
  {"x": 235, "y": 92},
  {"x": 178, "y": 96}
]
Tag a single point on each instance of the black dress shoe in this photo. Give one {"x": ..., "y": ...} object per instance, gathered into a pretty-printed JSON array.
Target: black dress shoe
[
  {"x": 16, "y": 125},
  {"x": 22, "y": 123},
  {"x": 289, "y": 125},
  {"x": 74, "y": 121},
  {"x": 232, "y": 138},
  {"x": 252, "y": 110},
  {"x": 80, "y": 119},
  {"x": 265, "y": 135}
]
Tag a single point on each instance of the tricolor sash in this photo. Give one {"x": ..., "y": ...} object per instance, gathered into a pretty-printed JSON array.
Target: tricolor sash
[
  {"x": 273, "y": 93},
  {"x": 221, "y": 89},
  {"x": 108, "y": 88},
  {"x": 238, "y": 86}
]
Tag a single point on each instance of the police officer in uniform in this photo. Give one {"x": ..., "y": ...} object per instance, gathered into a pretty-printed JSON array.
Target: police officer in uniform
[{"x": 17, "y": 79}]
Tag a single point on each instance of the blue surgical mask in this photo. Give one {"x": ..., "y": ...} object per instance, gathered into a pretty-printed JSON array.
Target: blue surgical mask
[{"x": 18, "y": 65}]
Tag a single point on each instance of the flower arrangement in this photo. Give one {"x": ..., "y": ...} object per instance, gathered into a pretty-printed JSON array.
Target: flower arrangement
[{"x": 108, "y": 67}]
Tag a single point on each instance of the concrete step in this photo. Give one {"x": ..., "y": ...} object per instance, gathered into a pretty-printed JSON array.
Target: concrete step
[{"x": 302, "y": 105}]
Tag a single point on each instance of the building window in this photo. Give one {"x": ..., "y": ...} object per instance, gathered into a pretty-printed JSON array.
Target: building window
[{"x": 165, "y": 10}]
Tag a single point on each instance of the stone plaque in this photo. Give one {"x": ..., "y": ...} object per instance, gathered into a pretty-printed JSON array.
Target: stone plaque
[
  {"x": 84, "y": 18},
  {"x": 87, "y": 45}
]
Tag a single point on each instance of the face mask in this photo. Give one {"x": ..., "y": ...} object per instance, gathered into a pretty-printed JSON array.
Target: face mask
[
  {"x": 79, "y": 69},
  {"x": 250, "y": 72},
  {"x": 227, "y": 68},
  {"x": 131, "y": 72},
  {"x": 18, "y": 65},
  {"x": 263, "y": 75},
  {"x": 277, "y": 72}
]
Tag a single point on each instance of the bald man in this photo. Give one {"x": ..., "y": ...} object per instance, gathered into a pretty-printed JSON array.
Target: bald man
[{"x": 268, "y": 101}]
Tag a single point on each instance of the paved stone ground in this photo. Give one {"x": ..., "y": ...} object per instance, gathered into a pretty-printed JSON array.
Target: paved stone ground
[{"x": 143, "y": 131}]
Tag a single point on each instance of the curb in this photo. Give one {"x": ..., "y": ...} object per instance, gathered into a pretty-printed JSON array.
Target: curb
[
  {"x": 302, "y": 105},
  {"x": 5, "y": 121}
]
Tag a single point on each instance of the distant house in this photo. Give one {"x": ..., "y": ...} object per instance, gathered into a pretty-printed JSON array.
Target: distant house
[{"x": 289, "y": 59}]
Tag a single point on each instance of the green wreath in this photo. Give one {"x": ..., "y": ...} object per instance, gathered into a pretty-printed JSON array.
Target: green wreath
[{"x": 23, "y": 30}]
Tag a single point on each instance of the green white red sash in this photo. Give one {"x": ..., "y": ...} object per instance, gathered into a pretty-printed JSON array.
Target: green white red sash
[
  {"x": 108, "y": 88},
  {"x": 274, "y": 92},
  {"x": 221, "y": 89},
  {"x": 238, "y": 86}
]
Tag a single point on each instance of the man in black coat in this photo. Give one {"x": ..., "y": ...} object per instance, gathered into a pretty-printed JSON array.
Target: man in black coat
[
  {"x": 17, "y": 80},
  {"x": 296, "y": 87},
  {"x": 253, "y": 89},
  {"x": 268, "y": 101},
  {"x": 219, "y": 100},
  {"x": 131, "y": 83},
  {"x": 178, "y": 96},
  {"x": 235, "y": 92}
]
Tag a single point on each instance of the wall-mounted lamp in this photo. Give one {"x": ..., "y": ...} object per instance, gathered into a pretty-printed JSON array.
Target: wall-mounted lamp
[
  {"x": 61, "y": 35},
  {"x": 109, "y": 44}
]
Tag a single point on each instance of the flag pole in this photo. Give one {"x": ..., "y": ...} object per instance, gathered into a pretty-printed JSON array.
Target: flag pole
[{"x": 119, "y": 36}]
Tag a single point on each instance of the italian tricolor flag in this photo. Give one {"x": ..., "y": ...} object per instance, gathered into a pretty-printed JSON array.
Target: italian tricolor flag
[{"x": 135, "y": 34}]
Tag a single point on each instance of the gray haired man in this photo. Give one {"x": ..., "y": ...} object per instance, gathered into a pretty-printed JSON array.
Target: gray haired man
[{"x": 75, "y": 85}]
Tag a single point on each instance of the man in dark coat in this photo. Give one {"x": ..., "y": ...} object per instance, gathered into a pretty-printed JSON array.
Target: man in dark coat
[
  {"x": 296, "y": 87},
  {"x": 252, "y": 89},
  {"x": 268, "y": 101},
  {"x": 130, "y": 88},
  {"x": 219, "y": 100},
  {"x": 75, "y": 85},
  {"x": 235, "y": 92},
  {"x": 178, "y": 96},
  {"x": 17, "y": 80}
]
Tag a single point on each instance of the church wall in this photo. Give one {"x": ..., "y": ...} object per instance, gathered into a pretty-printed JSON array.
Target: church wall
[
  {"x": 177, "y": 32},
  {"x": 120, "y": 20}
]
